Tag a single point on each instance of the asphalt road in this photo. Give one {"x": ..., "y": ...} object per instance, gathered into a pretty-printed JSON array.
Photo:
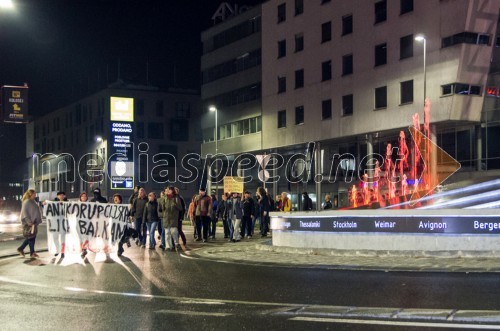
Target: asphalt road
[{"x": 148, "y": 289}]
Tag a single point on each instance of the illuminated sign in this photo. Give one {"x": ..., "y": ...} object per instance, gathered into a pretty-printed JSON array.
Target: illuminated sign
[
  {"x": 121, "y": 166},
  {"x": 454, "y": 224},
  {"x": 15, "y": 104},
  {"x": 122, "y": 109},
  {"x": 122, "y": 175}
]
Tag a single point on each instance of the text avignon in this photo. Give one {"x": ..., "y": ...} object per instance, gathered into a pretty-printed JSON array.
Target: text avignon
[{"x": 432, "y": 225}]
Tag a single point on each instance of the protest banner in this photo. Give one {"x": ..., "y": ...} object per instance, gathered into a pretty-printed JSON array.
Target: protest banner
[{"x": 73, "y": 225}]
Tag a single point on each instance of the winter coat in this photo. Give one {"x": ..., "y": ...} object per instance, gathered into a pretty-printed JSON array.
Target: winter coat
[
  {"x": 203, "y": 205},
  {"x": 170, "y": 209},
  {"x": 234, "y": 208},
  {"x": 248, "y": 206},
  {"x": 138, "y": 208},
  {"x": 151, "y": 212},
  {"x": 307, "y": 203},
  {"x": 222, "y": 210}
]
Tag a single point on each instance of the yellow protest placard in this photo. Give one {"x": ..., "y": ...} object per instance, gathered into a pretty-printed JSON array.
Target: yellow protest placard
[{"x": 233, "y": 184}]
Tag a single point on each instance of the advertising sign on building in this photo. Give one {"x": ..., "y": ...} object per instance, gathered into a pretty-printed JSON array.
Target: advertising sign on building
[
  {"x": 15, "y": 104},
  {"x": 121, "y": 161},
  {"x": 122, "y": 109}
]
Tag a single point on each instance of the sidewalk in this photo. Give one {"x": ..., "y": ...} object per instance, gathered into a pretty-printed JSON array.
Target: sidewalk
[{"x": 260, "y": 251}]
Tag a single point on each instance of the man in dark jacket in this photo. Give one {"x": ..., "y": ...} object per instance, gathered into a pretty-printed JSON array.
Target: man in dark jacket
[
  {"x": 151, "y": 218},
  {"x": 98, "y": 197},
  {"x": 137, "y": 213},
  {"x": 307, "y": 203},
  {"x": 248, "y": 212}
]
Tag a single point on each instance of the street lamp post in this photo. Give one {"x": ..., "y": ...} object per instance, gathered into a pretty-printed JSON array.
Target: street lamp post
[
  {"x": 421, "y": 38},
  {"x": 214, "y": 109}
]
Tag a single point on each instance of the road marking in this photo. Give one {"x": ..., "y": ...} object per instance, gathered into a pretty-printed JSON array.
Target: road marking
[
  {"x": 396, "y": 323},
  {"x": 284, "y": 307},
  {"x": 192, "y": 313}
]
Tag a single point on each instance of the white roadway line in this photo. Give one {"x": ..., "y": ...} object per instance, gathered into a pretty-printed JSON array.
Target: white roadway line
[
  {"x": 256, "y": 303},
  {"x": 397, "y": 323},
  {"x": 192, "y": 313}
]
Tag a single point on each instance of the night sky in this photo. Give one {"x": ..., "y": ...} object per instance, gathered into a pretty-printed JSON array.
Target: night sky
[{"x": 66, "y": 49}]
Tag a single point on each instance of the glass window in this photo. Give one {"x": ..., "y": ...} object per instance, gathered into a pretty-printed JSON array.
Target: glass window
[
  {"x": 406, "y": 6},
  {"x": 406, "y": 47},
  {"x": 139, "y": 129},
  {"x": 155, "y": 130},
  {"x": 326, "y": 109},
  {"x": 281, "y": 48},
  {"x": 282, "y": 84},
  {"x": 381, "y": 97},
  {"x": 179, "y": 129},
  {"x": 159, "y": 108},
  {"x": 407, "y": 92},
  {"x": 380, "y": 11},
  {"x": 282, "y": 119},
  {"x": 326, "y": 70},
  {"x": 139, "y": 107},
  {"x": 299, "y": 7},
  {"x": 282, "y": 13},
  {"x": 347, "y": 65},
  {"x": 347, "y": 25},
  {"x": 447, "y": 89},
  {"x": 380, "y": 54},
  {"x": 299, "y": 78},
  {"x": 326, "y": 32},
  {"x": 347, "y": 105},
  {"x": 299, "y": 42},
  {"x": 299, "y": 115}
]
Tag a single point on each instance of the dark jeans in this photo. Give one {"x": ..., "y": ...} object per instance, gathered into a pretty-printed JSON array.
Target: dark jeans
[
  {"x": 30, "y": 242},
  {"x": 160, "y": 227},
  {"x": 264, "y": 225},
  {"x": 141, "y": 230},
  {"x": 246, "y": 225},
  {"x": 213, "y": 225},
  {"x": 226, "y": 224},
  {"x": 202, "y": 222},
  {"x": 181, "y": 233}
]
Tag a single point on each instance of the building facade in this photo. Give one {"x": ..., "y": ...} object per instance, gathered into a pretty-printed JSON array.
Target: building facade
[
  {"x": 122, "y": 136},
  {"x": 346, "y": 77}
]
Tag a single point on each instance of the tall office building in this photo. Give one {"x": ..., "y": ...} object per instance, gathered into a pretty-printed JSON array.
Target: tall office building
[{"x": 349, "y": 75}]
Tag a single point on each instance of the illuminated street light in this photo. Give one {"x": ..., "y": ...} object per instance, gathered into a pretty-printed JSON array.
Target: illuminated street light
[
  {"x": 214, "y": 109},
  {"x": 98, "y": 139},
  {"x": 6, "y": 4},
  {"x": 421, "y": 38}
]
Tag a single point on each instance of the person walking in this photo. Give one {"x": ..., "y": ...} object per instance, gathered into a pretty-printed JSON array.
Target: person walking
[
  {"x": 307, "y": 204},
  {"x": 98, "y": 197},
  {"x": 264, "y": 211},
  {"x": 182, "y": 214},
  {"x": 222, "y": 212},
  {"x": 192, "y": 216},
  {"x": 58, "y": 238},
  {"x": 137, "y": 213},
  {"x": 203, "y": 205},
  {"x": 328, "y": 203},
  {"x": 213, "y": 217},
  {"x": 286, "y": 204},
  {"x": 31, "y": 217},
  {"x": 235, "y": 214},
  {"x": 248, "y": 207},
  {"x": 151, "y": 218},
  {"x": 170, "y": 207}
]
